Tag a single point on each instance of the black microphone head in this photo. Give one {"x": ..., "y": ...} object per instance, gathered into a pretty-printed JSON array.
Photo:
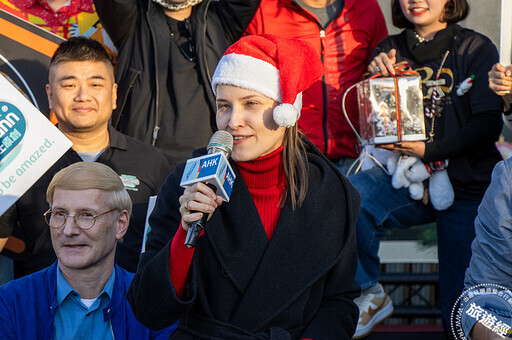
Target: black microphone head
[{"x": 221, "y": 141}]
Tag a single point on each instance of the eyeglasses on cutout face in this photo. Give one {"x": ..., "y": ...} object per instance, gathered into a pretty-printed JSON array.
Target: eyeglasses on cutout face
[{"x": 83, "y": 219}]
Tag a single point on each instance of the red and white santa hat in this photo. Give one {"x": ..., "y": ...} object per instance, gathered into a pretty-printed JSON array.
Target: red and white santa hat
[{"x": 278, "y": 68}]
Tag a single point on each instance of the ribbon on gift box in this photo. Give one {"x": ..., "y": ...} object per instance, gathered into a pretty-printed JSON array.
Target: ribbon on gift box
[{"x": 402, "y": 69}]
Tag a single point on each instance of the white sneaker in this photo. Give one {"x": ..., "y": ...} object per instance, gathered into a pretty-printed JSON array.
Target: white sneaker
[{"x": 373, "y": 309}]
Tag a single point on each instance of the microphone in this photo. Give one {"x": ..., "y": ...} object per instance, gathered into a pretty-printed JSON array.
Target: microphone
[{"x": 215, "y": 171}]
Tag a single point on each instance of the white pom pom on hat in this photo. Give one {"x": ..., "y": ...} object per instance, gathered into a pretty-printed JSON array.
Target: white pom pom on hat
[{"x": 278, "y": 68}]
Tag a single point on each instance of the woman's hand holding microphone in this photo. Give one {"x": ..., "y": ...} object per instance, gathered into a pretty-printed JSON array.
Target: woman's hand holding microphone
[{"x": 196, "y": 200}]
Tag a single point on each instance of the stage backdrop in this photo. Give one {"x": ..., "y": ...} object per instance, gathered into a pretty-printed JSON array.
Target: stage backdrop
[{"x": 25, "y": 53}]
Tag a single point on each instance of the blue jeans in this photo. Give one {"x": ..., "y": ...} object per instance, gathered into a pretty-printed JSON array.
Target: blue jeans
[
  {"x": 6, "y": 269},
  {"x": 384, "y": 207}
]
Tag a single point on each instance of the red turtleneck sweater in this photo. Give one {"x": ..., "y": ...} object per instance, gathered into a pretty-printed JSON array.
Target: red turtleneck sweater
[{"x": 266, "y": 182}]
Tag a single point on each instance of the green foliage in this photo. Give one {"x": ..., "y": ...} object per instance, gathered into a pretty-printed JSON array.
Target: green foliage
[{"x": 425, "y": 234}]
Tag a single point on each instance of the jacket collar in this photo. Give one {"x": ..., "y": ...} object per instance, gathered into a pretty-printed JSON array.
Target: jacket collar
[
  {"x": 51, "y": 280},
  {"x": 64, "y": 288},
  {"x": 116, "y": 301},
  {"x": 117, "y": 139},
  {"x": 118, "y": 295}
]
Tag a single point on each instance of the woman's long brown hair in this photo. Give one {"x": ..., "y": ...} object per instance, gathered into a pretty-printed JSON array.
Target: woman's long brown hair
[{"x": 295, "y": 166}]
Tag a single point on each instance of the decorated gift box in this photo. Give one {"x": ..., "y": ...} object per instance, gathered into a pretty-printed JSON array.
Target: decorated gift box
[{"x": 391, "y": 109}]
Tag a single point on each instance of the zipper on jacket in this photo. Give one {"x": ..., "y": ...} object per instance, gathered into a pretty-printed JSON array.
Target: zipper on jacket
[
  {"x": 112, "y": 330},
  {"x": 157, "y": 87},
  {"x": 203, "y": 42},
  {"x": 213, "y": 123},
  {"x": 324, "y": 85},
  {"x": 117, "y": 119},
  {"x": 155, "y": 134},
  {"x": 324, "y": 91}
]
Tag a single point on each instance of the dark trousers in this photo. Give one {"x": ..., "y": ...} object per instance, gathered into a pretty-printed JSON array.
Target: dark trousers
[{"x": 384, "y": 207}]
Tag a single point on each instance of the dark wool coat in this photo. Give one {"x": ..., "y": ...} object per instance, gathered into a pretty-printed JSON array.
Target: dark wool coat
[{"x": 243, "y": 286}]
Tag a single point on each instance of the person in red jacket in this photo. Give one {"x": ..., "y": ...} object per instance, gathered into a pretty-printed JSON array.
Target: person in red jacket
[{"x": 344, "y": 33}]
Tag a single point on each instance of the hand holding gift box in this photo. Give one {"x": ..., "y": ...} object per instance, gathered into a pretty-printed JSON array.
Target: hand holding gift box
[
  {"x": 391, "y": 108},
  {"x": 391, "y": 115}
]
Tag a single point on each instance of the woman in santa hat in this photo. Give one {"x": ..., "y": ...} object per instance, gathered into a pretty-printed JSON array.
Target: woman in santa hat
[{"x": 278, "y": 260}]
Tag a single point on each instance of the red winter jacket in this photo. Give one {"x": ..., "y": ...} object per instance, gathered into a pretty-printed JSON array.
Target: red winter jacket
[{"x": 345, "y": 47}]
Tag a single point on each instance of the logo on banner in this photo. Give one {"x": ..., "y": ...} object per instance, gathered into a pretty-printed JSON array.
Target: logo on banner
[
  {"x": 487, "y": 303},
  {"x": 12, "y": 129}
]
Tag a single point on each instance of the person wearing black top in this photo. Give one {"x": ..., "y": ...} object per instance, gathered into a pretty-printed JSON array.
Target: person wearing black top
[
  {"x": 464, "y": 132},
  {"x": 168, "y": 50},
  {"x": 82, "y": 93}
]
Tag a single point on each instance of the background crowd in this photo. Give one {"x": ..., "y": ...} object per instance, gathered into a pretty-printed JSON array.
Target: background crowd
[{"x": 146, "y": 85}]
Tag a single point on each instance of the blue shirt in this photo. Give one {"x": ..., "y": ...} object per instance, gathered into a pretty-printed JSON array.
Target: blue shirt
[{"x": 73, "y": 320}]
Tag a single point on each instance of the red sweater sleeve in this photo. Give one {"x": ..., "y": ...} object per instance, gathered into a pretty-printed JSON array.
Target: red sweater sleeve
[{"x": 179, "y": 260}]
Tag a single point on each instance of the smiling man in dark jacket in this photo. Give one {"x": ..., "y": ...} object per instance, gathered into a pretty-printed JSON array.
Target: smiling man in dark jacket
[{"x": 168, "y": 50}]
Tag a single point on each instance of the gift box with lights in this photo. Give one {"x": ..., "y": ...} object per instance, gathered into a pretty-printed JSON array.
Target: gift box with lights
[{"x": 391, "y": 109}]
